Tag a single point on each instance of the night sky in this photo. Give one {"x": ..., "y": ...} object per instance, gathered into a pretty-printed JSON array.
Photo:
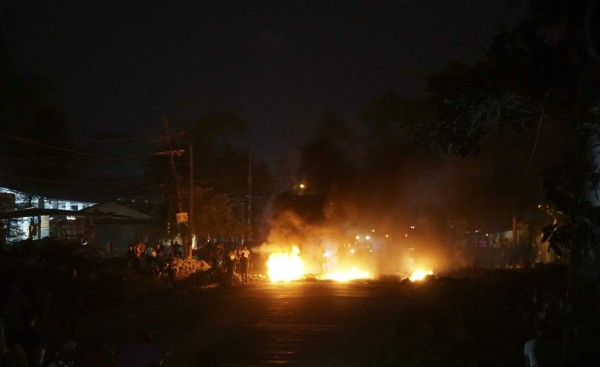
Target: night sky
[{"x": 120, "y": 66}]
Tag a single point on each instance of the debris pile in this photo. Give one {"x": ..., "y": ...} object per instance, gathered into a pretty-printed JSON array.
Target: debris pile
[{"x": 184, "y": 268}]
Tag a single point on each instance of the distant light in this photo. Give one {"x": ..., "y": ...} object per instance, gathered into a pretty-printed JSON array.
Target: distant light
[
  {"x": 373, "y": 230},
  {"x": 406, "y": 235},
  {"x": 70, "y": 217},
  {"x": 358, "y": 237},
  {"x": 387, "y": 235},
  {"x": 302, "y": 186},
  {"x": 367, "y": 238},
  {"x": 412, "y": 227},
  {"x": 352, "y": 251}
]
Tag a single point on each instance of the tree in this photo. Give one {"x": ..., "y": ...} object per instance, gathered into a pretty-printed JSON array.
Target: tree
[
  {"x": 221, "y": 174},
  {"x": 543, "y": 72},
  {"x": 223, "y": 163},
  {"x": 215, "y": 216}
]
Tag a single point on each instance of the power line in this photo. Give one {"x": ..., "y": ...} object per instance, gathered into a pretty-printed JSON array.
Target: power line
[
  {"x": 144, "y": 139},
  {"x": 28, "y": 141},
  {"x": 66, "y": 182}
]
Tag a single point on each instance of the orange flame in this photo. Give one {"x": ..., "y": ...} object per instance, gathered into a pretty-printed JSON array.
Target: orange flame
[
  {"x": 419, "y": 275},
  {"x": 285, "y": 267}
]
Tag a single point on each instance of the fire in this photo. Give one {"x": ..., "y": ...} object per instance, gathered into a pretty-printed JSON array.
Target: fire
[
  {"x": 419, "y": 275},
  {"x": 285, "y": 267},
  {"x": 288, "y": 266},
  {"x": 344, "y": 276}
]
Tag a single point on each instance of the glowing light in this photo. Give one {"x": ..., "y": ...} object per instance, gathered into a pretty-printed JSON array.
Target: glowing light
[
  {"x": 367, "y": 238},
  {"x": 344, "y": 276},
  {"x": 419, "y": 275},
  {"x": 285, "y": 267}
]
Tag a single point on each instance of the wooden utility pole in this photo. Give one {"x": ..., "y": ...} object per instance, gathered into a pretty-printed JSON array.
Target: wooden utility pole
[
  {"x": 249, "y": 238},
  {"x": 171, "y": 152},
  {"x": 191, "y": 213}
]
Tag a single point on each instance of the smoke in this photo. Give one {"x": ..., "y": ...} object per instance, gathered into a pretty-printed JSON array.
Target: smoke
[{"x": 389, "y": 200}]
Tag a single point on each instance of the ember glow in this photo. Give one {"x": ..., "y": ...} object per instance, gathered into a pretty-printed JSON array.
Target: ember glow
[
  {"x": 344, "y": 276},
  {"x": 419, "y": 275}
]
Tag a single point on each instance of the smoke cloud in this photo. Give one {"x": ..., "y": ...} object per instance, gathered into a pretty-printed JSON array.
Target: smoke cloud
[{"x": 389, "y": 201}]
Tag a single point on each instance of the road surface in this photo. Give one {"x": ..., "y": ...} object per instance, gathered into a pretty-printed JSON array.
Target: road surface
[{"x": 309, "y": 323}]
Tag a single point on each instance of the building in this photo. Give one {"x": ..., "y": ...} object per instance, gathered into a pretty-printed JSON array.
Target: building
[{"x": 24, "y": 216}]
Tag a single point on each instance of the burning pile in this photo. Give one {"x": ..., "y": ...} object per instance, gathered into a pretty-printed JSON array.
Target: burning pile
[
  {"x": 287, "y": 264},
  {"x": 325, "y": 236}
]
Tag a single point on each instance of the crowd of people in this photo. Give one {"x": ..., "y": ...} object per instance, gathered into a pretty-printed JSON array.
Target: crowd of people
[
  {"x": 149, "y": 258},
  {"x": 29, "y": 312},
  {"x": 228, "y": 261},
  {"x": 234, "y": 263},
  {"x": 36, "y": 313}
]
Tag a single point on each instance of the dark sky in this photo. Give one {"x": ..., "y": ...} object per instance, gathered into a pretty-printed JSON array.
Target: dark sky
[{"x": 120, "y": 66}]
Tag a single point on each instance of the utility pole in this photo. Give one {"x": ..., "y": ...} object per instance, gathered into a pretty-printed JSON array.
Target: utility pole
[
  {"x": 191, "y": 214},
  {"x": 249, "y": 238},
  {"x": 171, "y": 152}
]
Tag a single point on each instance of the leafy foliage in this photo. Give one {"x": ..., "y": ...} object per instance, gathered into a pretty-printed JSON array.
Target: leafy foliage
[
  {"x": 10, "y": 231},
  {"x": 540, "y": 72},
  {"x": 220, "y": 173}
]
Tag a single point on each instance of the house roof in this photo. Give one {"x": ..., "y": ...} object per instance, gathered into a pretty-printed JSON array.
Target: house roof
[
  {"x": 109, "y": 210},
  {"x": 32, "y": 212},
  {"x": 116, "y": 209}
]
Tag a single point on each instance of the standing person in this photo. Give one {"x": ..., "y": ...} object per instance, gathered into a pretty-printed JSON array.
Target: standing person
[
  {"x": 131, "y": 257},
  {"x": 11, "y": 353},
  {"x": 230, "y": 263},
  {"x": 151, "y": 260},
  {"x": 176, "y": 249},
  {"x": 181, "y": 252},
  {"x": 31, "y": 339},
  {"x": 14, "y": 306},
  {"x": 220, "y": 258},
  {"x": 109, "y": 248},
  {"x": 140, "y": 252},
  {"x": 68, "y": 302},
  {"x": 140, "y": 352},
  {"x": 160, "y": 251},
  {"x": 244, "y": 264}
]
